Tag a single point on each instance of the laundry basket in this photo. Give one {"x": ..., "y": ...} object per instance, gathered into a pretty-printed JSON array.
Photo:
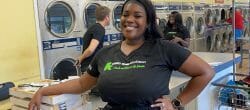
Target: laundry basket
[{"x": 234, "y": 94}]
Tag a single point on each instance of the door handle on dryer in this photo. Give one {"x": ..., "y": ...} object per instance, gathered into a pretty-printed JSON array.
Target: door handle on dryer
[{"x": 77, "y": 31}]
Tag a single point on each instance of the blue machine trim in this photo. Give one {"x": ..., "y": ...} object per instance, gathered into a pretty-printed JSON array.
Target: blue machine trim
[
  {"x": 160, "y": 7},
  {"x": 197, "y": 8},
  {"x": 174, "y": 7},
  {"x": 226, "y": 65},
  {"x": 187, "y": 7},
  {"x": 62, "y": 43},
  {"x": 113, "y": 37}
]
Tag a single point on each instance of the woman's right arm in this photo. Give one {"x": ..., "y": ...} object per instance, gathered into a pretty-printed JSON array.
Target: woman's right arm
[{"x": 82, "y": 84}]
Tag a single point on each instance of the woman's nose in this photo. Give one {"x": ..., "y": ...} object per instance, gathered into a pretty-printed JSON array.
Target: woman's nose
[{"x": 130, "y": 19}]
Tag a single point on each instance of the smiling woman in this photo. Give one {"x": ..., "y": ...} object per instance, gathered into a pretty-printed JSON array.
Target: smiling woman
[{"x": 134, "y": 74}]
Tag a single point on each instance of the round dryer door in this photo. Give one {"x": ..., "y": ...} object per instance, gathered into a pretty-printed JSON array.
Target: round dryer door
[
  {"x": 223, "y": 16},
  {"x": 162, "y": 24},
  {"x": 117, "y": 15},
  {"x": 216, "y": 19},
  {"x": 209, "y": 17},
  {"x": 90, "y": 17},
  {"x": 245, "y": 14},
  {"x": 59, "y": 18},
  {"x": 63, "y": 69},
  {"x": 199, "y": 28},
  {"x": 189, "y": 24}
]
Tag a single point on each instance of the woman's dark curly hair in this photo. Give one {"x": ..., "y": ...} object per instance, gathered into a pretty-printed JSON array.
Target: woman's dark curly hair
[{"x": 152, "y": 31}]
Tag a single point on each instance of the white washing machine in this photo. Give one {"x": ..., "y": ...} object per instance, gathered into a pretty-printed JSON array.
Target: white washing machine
[
  {"x": 211, "y": 31},
  {"x": 224, "y": 29},
  {"x": 187, "y": 12},
  {"x": 217, "y": 28},
  {"x": 208, "y": 40},
  {"x": 199, "y": 22},
  {"x": 216, "y": 14},
  {"x": 113, "y": 31},
  {"x": 209, "y": 15},
  {"x": 245, "y": 10},
  {"x": 60, "y": 34}
]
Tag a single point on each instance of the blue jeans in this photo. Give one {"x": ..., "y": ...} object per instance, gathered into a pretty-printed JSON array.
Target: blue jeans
[{"x": 238, "y": 33}]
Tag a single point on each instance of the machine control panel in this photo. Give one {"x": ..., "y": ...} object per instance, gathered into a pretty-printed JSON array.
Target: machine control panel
[{"x": 62, "y": 43}]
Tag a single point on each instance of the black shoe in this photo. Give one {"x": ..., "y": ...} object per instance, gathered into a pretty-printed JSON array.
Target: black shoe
[{"x": 237, "y": 49}]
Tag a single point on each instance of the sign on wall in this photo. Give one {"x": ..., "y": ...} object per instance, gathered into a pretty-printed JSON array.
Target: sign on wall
[
  {"x": 219, "y": 1},
  {"x": 202, "y": 1}
]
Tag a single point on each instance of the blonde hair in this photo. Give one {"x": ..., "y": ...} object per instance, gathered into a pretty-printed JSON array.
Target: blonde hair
[{"x": 101, "y": 12}]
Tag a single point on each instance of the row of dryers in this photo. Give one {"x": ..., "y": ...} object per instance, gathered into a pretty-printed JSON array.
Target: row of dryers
[
  {"x": 61, "y": 26},
  {"x": 206, "y": 24},
  {"x": 62, "y": 23}
]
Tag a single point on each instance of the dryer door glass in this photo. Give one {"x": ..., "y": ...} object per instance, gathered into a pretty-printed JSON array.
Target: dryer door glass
[
  {"x": 216, "y": 17},
  {"x": 189, "y": 24},
  {"x": 162, "y": 24},
  {"x": 199, "y": 26},
  {"x": 208, "y": 17},
  {"x": 90, "y": 17},
  {"x": 223, "y": 15},
  {"x": 63, "y": 69},
  {"x": 117, "y": 15},
  {"x": 59, "y": 19},
  {"x": 245, "y": 14}
]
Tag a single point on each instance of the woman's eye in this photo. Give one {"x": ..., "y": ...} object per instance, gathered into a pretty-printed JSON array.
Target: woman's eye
[
  {"x": 138, "y": 16},
  {"x": 125, "y": 15}
]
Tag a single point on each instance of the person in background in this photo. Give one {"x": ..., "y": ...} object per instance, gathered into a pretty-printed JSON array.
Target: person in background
[
  {"x": 93, "y": 38},
  {"x": 175, "y": 31},
  {"x": 134, "y": 74},
  {"x": 238, "y": 26}
]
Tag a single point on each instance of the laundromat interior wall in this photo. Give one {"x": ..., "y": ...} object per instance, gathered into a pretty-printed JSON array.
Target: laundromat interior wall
[{"x": 18, "y": 44}]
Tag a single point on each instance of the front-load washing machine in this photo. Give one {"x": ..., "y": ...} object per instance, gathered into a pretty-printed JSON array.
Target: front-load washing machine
[
  {"x": 113, "y": 31},
  {"x": 223, "y": 32},
  {"x": 161, "y": 14},
  {"x": 199, "y": 23},
  {"x": 61, "y": 35},
  {"x": 187, "y": 12}
]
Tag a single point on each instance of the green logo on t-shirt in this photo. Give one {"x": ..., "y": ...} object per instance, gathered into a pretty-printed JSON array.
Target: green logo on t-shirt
[
  {"x": 124, "y": 66},
  {"x": 108, "y": 66}
]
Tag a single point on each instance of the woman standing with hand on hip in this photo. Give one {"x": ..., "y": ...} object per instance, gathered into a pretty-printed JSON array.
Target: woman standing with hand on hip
[{"x": 134, "y": 74}]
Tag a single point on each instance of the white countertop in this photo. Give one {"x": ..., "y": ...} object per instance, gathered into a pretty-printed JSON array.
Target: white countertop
[{"x": 219, "y": 62}]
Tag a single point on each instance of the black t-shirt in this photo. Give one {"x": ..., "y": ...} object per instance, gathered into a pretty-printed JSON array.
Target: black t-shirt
[
  {"x": 139, "y": 78},
  {"x": 180, "y": 31},
  {"x": 96, "y": 31}
]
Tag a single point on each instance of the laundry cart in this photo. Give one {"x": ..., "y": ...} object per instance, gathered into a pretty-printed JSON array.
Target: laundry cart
[{"x": 235, "y": 93}]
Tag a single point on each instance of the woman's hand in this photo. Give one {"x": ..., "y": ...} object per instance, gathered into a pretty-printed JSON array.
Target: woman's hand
[
  {"x": 164, "y": 104},
  {"x": 36, "y": 101},
  {"x": 176, "y": 39},
  {"x": 78, "y": 62}
]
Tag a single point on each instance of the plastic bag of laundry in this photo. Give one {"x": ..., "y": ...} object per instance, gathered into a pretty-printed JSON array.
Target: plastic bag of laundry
[{"x": 4, "y": 90}]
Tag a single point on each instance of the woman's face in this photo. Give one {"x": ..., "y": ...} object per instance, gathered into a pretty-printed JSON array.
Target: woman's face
[
  {"x": 133, "y": 21},
  {"x": 171, "y": 19}
]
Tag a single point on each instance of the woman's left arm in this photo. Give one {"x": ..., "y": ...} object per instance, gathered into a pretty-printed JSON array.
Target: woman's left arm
[
  {"x": 201, "y": 74},
  {"x": 185, "y": 42}
]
